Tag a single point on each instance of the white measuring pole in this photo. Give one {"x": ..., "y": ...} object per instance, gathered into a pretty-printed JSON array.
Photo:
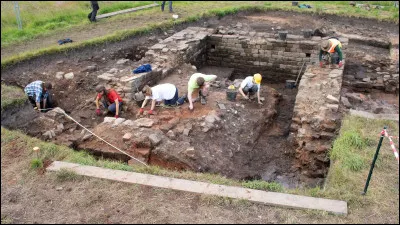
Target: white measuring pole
[{"x": 17, "y": 13}]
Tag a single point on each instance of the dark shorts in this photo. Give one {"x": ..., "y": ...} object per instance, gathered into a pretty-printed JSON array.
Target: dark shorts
[
  {"x": 251, "y": 90},
  {"x": 173, "y": 100}
]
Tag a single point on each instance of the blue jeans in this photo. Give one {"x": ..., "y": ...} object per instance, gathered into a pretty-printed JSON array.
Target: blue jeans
[
  {"x": 173, "y": 100},
  {"x": 163, "y": 4},
  {"x": 113, "y": 107}
]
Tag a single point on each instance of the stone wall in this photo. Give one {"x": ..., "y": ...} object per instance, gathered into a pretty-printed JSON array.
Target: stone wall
[
  {"x": 316, "y": 118},
  {"x": 373, "y": 70},
  {"x": 186, "y": 46},
  {"x": 251, "y": 52}
]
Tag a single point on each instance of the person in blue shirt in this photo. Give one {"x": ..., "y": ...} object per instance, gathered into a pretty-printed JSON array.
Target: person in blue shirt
[{"x": 38, "y": 93}]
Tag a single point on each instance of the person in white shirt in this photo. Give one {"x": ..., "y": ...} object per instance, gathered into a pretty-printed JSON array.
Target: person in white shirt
[
  {"x": 250, "y": 85},
  {"x": 162, "y": 92}
]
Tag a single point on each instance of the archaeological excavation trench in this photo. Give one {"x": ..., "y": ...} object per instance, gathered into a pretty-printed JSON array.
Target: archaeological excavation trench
[{"x": 286, "y": 139}]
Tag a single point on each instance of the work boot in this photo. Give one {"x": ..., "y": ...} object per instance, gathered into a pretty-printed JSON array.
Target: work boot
[{"x": 203, "y": 100}]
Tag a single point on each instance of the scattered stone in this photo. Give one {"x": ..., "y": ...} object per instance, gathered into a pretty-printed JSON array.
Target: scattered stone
[
  {"x": 194, "y": 67},
  {"x": 210, "y": 119},
  {"x": 109, "y": 119},
  {"x": 378, "y": 110},
  {"x": 354, "y": 97},
  {"x": 60, "y": 75},
  {"x": 69, "y": 76},
  {"x": 190, "y": 152},
  {"x": 206, "y": 129},
  {"x": 127, "y": 137},
  {"x": 143, "y": 152},
  {"x": 59, "y": 188},
  {"x": 129, "y": 123},
  {"x": 180, "y": 71},
  {"x": 122, "y": 61},
  {"x": 186, "y": 131},
  {"x": 221, "y": 106},
  {"x": 86, "y": 137},
  {"x": 90, "y": 68},
  {"x": 346, "y": 102},
  {"x": 332, "y": 99},
  {"x": 171, "y": 134},
  {"x": 106, "y": 76},
  {"x": 118, "y": 121},
  {"x": 333, "y": 107},
  {"x": 155, "y": 139},
  {"x": 60, "y": 62},
  {"x": 144, "y": 122},
  {"x": 113, "y": 70},
  {"x": 60, "y": 127}
]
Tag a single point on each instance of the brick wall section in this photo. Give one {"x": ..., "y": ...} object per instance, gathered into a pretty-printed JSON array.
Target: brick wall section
[
  {"x": 251, "y": 52},
  {"x": 186, "y": 46},
  {"x": 316, "y": 118}
]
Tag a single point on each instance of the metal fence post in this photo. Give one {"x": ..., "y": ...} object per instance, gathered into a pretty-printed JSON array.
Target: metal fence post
[
  {"x": 374, "y": 160},
  {"x": 16, "y": 8}
]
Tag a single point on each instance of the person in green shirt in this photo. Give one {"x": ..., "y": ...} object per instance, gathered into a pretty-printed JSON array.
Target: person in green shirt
[{"x": 199, "y": 82}]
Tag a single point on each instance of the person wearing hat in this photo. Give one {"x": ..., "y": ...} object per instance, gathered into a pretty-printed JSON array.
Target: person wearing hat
[
  {"x": 334, "y": 47},
  {"x": 162, "y": 92},
  {"x": 200, "y": 82},
  {"x": 38, "y": 93},
  {"x": 110, "y": 99},
  {"x": 250, "y": 85}
]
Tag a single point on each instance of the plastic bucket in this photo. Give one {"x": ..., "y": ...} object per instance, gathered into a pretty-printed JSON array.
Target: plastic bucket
[
  {"x": 307, "y": 33},
  {"x": 290, "y": 84},
  {"x": 231, "y": 95},
  {"x": 282, "y": 35}
]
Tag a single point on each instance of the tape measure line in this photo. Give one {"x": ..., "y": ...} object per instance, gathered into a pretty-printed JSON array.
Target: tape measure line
[{"x": 99, "y": 137}]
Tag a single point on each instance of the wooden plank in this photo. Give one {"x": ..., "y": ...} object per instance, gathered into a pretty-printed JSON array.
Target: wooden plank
[
  {"x": 269, "y": 198},
  {"x": 125, "y": 11}
]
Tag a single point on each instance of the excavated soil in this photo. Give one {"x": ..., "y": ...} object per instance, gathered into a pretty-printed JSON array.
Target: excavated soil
[{"x": 271, "y": 155}]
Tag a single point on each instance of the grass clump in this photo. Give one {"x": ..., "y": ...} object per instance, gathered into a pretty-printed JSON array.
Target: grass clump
[
  {"x": 67, "y": 175},
  {"x": 263, "y": 185},
  {"x": 11, "y": 96},
  {"x": 36, "y": 163}
]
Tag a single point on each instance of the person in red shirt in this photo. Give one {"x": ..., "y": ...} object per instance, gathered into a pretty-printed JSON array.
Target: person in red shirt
[{"x": 110, "y": 99}]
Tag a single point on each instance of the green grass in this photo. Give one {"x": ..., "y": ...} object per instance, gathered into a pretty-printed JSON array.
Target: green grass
[
  {"x": 39, "y": 18},
  {"x": 11, "y": 96},
  {"x": 263, "y": 185},
  {"x": 67, "y": 175},
  {"x": 36, "y": 163},
  {"x": 351, "y": 157}
]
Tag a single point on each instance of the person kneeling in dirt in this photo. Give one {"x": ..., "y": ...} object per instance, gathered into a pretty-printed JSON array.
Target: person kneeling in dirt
[
  {"x": 162, "y": 92},
  {"x": 200, "y": 82},
  {"x": 110, "y": 99},
  {"x": 250, "y": 85},
  {"x": 39, "y": 95},
  {"x": 331, "y": 48}
]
